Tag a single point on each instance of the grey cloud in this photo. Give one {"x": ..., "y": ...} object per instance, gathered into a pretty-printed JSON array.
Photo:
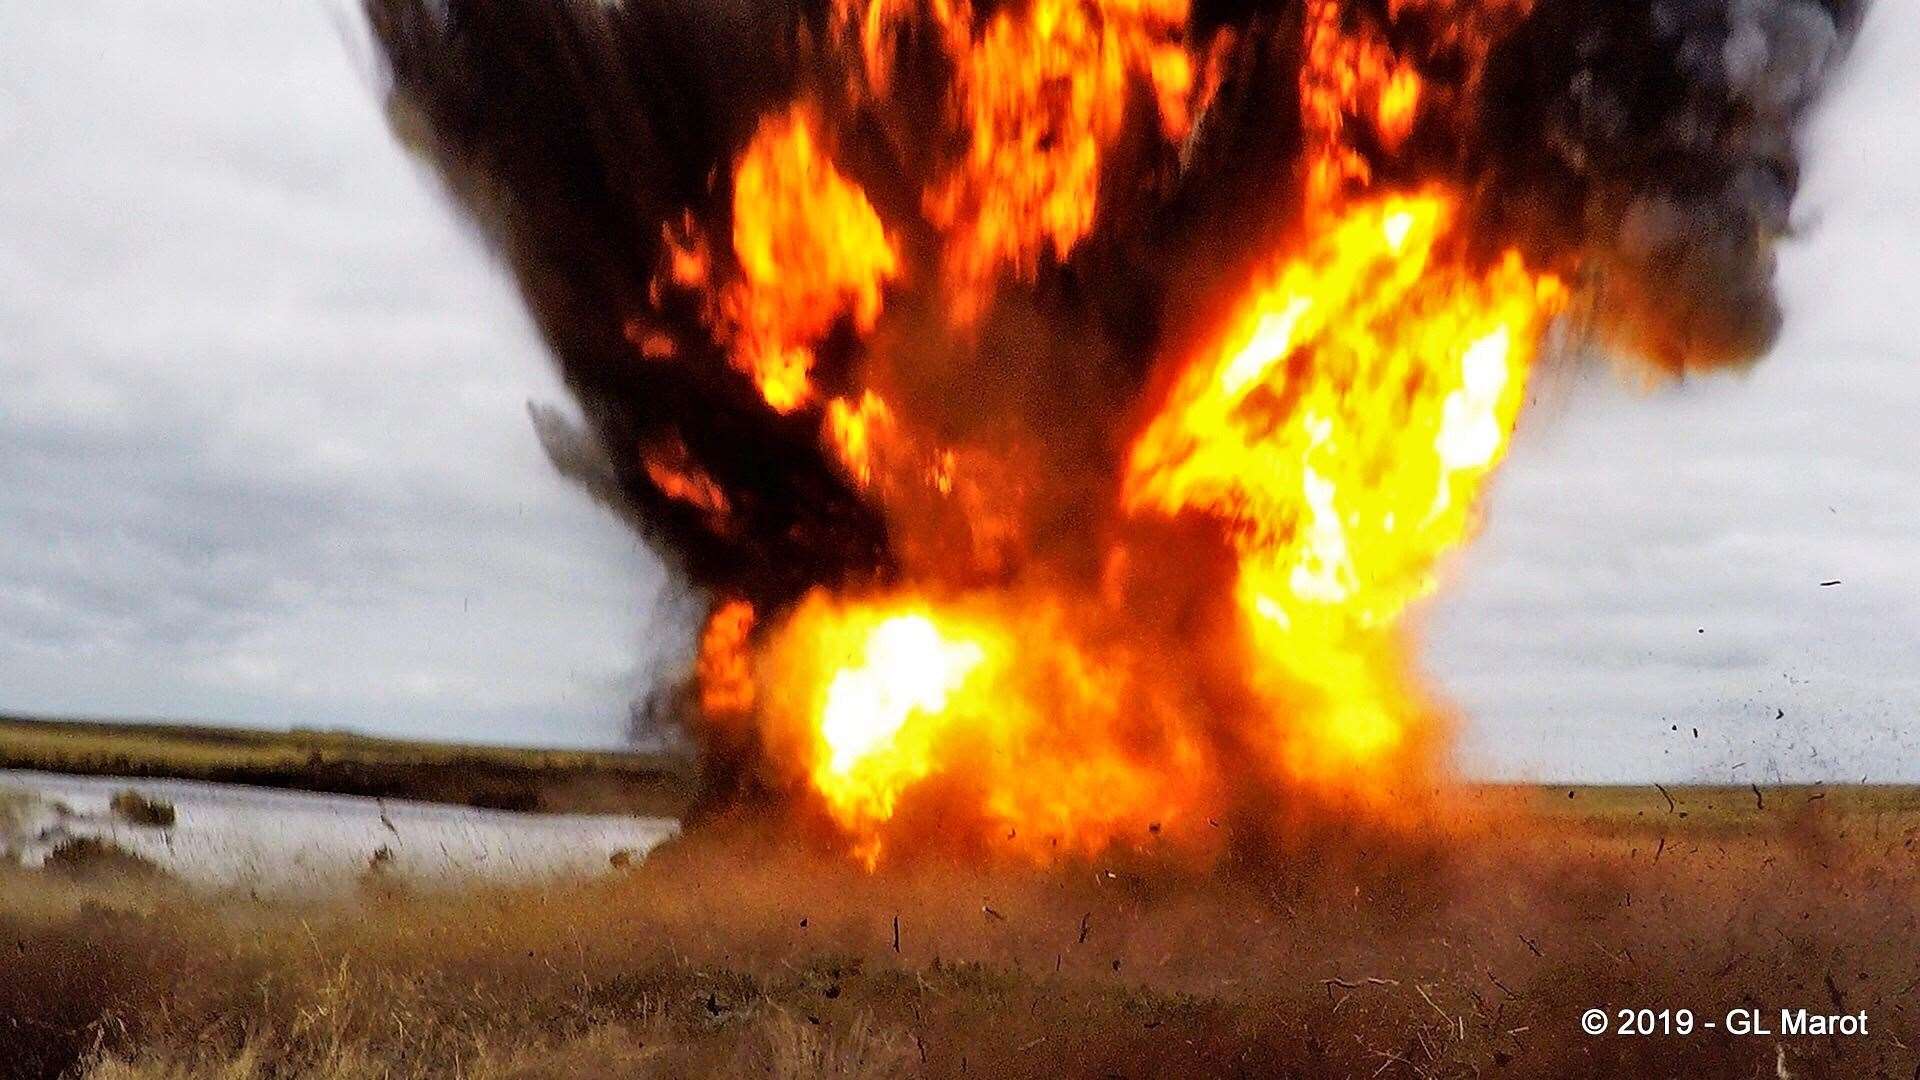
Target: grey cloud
[{"x": 263, "y": 449}]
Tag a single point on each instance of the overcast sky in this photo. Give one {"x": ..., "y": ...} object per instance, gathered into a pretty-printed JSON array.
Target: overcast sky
[{"x": 264, "y": 456}]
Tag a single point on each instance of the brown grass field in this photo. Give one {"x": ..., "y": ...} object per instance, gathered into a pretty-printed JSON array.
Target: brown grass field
[{"x": 1470, "y": 950}]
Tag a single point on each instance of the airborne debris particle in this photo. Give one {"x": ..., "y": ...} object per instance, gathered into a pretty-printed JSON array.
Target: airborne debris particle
[{"x": 1504, "y": 988}]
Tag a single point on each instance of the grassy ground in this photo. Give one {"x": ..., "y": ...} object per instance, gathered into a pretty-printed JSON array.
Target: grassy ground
[
  {"x": 1468, "y": 950},
  {"x": 1708, "y": 808},
  {"x": 545, "y": 780}
]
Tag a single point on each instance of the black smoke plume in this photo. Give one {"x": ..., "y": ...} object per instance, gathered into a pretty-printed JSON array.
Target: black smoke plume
[{"x": 1645, "y": 149}]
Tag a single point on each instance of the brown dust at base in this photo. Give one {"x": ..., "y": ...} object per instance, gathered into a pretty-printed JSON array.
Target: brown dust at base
[{"x": 727, "y": 953}]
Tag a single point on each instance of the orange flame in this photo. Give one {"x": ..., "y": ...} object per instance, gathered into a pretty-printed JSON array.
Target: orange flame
[
  {"x": 811, "y": 251},
  {"x": 1349, "y": 74},
  {"x": 672, "y": 470},
  {"x": 1040, "y": 94},
  {"x": 855, "y": 428},
  {"x": 724, "y": 671}
]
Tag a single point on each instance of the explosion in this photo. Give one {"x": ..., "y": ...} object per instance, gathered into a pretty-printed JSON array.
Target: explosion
[{"x": 1063, "y": 402}]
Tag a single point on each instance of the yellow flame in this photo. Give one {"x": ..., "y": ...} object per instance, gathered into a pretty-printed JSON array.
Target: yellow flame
[
  {"x": 855, "y": 429},
  {"x": 907, "y": 667},
  {"x": 879, "y": 695},
  {"x": 1338, "y": 432}
]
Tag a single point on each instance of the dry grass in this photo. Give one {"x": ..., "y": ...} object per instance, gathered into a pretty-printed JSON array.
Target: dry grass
[
  {"x": 723, "y": 955},
  {"x": 131, "y": 806},
  {"x": 772, "y": 1044},
  {"x": 1722, "y": 807},
  {"x": 94, "y": 857}
]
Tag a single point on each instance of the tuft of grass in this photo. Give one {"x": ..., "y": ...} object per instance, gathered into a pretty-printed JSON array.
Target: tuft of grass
[
  {"x": 131, "y": 806},
  {"x": 792, "y": 1048},
  {"x": 93, "y": 857},
  {"x": 244, "y": 1065}
]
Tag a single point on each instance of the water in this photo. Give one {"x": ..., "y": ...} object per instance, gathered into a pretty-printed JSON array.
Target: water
[{"x": 227, "y": 835}]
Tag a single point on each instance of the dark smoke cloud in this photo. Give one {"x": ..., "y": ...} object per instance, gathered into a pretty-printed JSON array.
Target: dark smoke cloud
[
  {"x": 571, "y": 131},
  {"x": 1647, "y": 148},
  {"x": 1656, "y": 142}
]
